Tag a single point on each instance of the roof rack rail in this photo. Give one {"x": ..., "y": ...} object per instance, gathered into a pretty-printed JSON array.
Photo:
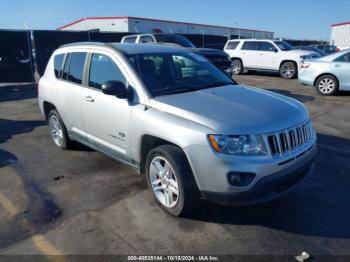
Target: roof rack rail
[{"x": 85, "y": 43}]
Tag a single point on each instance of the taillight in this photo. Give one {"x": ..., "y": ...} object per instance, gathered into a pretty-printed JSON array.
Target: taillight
[
  {"x": 305, "y": 65},
  {"x": 337, "y": 50}
]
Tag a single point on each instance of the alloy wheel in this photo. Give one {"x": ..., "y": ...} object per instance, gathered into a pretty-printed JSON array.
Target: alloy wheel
[
  {"x": 288, "y": 70},
  {"x": 56, "y": 130},
  {"x": 164, "y": 182},
  {"x": 326, "y": 86}
]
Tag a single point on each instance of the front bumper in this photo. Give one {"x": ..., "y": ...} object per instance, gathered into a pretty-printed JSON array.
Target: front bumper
[
  {"x": 266, "y": 189},
  {"x": 273, "y": 177}
]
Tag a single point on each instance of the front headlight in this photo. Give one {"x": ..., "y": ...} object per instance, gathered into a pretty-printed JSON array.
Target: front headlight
[{"x": 238, "y": 144}]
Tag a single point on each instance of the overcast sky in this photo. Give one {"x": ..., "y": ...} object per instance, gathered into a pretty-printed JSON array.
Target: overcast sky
[{"x": 297, "y": 19}]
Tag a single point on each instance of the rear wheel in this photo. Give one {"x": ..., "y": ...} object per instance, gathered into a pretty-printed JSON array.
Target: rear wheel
[
  {"x": 288, "y": 70},
  {"x": 237, "y": 66},
  {"x": 58, "y": 130},
  {"x": 170, "y": 178},
  {"x": 327, "y": 85}
]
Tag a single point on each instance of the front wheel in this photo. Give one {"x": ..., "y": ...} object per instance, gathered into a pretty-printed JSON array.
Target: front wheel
[
  {"x": 288, "y": 70},
  {"x": 237, "y": 66},
  {"x": 327, "y": 85},
  {"x": 170, "y": 178}
]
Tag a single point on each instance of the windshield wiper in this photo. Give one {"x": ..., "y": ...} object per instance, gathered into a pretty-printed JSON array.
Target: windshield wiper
[{"x": 219, "y": 83}]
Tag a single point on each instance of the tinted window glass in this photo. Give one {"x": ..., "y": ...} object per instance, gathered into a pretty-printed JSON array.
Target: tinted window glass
[
  {"x": 170, "y": 73},
  {"x": 284, "y": 46},
  {"x": 250, "y": 45},
  {"x": 232, "y": 45},
  {"x": 66, "y": 67},
  {"x": 344, "y": 58},
  {"x": 266, "y": 46},
  {"x": 76, "y": 67},
  {"x": 146, "y": 39},
  {"x": 103, "y": 69},
  {"x": 175, "y": 39},
  {"x": 58, "y": 65},
  {"x": 130, "y": 40}
]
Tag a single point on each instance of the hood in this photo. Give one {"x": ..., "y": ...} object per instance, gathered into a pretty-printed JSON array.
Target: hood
[
  {"x": 209, "y": 52},
  {"x": 234, "y": 109},
  {"x": 304, "y": 53}
]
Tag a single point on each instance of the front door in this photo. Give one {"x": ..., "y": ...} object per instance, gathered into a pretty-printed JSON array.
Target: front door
[{"x": 105, "y": 117}]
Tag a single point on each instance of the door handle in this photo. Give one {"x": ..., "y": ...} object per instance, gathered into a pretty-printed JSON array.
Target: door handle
[
  {"x": 337, "y": 65},
  {"x": 89, "y": 99}
]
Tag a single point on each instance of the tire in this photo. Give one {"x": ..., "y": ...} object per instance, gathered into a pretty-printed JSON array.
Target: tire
[
  {"x": 288, "y": 70},
  {"x": 327, "y": 85},
  {"x": 237, "y": 67},
  {"x": 58, "y": 130},
  {"x": 172, "y": 159}
]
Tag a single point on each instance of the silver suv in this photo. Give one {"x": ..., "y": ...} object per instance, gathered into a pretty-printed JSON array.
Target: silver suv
[{"x": 172, "y": 115}]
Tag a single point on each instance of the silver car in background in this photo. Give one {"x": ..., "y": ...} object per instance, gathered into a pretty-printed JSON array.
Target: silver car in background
[{"x": 328, "y": 74}]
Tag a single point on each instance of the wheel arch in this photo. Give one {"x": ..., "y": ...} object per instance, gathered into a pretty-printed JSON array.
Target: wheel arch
[
  {"x": 47, "y": 106},
  {"x": 289, "y": 60},
  {"x": 148, "y": 142}
]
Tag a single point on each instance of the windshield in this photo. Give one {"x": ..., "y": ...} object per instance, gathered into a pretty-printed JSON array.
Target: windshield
[
  {"x": 284, "y": 46},
  {"x": 171, "y": 73},
  {"x": 174, "y": 39}
]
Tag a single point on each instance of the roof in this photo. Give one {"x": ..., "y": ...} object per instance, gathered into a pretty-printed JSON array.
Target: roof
[
  {"x": 345, "y": 23},
  {"x": 154, "y": 20},
  {"x": 131, "y": 48}
]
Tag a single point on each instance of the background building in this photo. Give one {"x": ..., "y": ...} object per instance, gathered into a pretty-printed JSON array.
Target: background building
[
  {"x": 340, "y": 35},
  {"x": 145, "y": 25}
]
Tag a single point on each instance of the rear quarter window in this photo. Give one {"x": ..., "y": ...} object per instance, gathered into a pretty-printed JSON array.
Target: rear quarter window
[
  {"x": 232, "y": 45},
  {"x": 58, "y": 59}
]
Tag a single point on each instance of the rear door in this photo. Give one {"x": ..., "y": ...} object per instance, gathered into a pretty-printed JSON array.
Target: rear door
[
  {"x": 68, "y": 90},
  {"x": 106, "y": 118},
  {"x": 249, "y": 54},
  {"x": 341, "y": 68}
]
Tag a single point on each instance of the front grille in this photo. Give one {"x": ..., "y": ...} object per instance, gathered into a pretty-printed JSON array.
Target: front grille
[{"x": 289, "y": 140}]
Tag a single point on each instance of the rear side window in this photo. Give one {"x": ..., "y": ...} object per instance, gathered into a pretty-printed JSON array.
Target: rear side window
[
  {"x": 251, "y": 45},
  {"x": 232, "y": 45},
  {"x": 146, "y": 39},
  {"x": 74, "y": 67},
  {"x": 103, "y": 69},
  {"x": 130, "y": 40},
  {"x": 58, "y": 59},
  {"x": 344, "y": 58}
]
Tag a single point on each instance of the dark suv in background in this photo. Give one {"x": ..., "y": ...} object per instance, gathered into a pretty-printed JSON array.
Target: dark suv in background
[{"x": 217, "y": 57}]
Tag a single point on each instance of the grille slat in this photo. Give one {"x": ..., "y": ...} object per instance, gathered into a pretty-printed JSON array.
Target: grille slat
[{"x": 289, "y": 140}]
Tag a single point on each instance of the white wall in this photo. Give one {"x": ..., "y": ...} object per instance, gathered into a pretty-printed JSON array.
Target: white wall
[
  {"x": 135, "y": 25},
  {"x": 340, "y": 36}
]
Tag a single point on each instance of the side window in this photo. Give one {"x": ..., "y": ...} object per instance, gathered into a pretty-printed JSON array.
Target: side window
[
  {"x": 130, "y": 39},
  {"x": 266, "y": 46},
  {"x": 251, "y": 45},
  {"x": 344, "y": 58},
  {"x": 146, "y": 39},
  {"x": 58, "y": 59},
  {"x": 232, "y": 45},
  {"x": 76, "y": 67},
  {"x": 103, "y": 69}
]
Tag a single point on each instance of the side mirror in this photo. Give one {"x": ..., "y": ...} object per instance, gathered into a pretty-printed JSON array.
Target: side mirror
[
  {"x": 275, "y": 50},
  {"x": 115, "y": 88}
]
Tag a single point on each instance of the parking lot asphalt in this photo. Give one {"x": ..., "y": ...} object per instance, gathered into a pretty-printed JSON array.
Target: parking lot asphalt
[{"x": 82, "y": 202}]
